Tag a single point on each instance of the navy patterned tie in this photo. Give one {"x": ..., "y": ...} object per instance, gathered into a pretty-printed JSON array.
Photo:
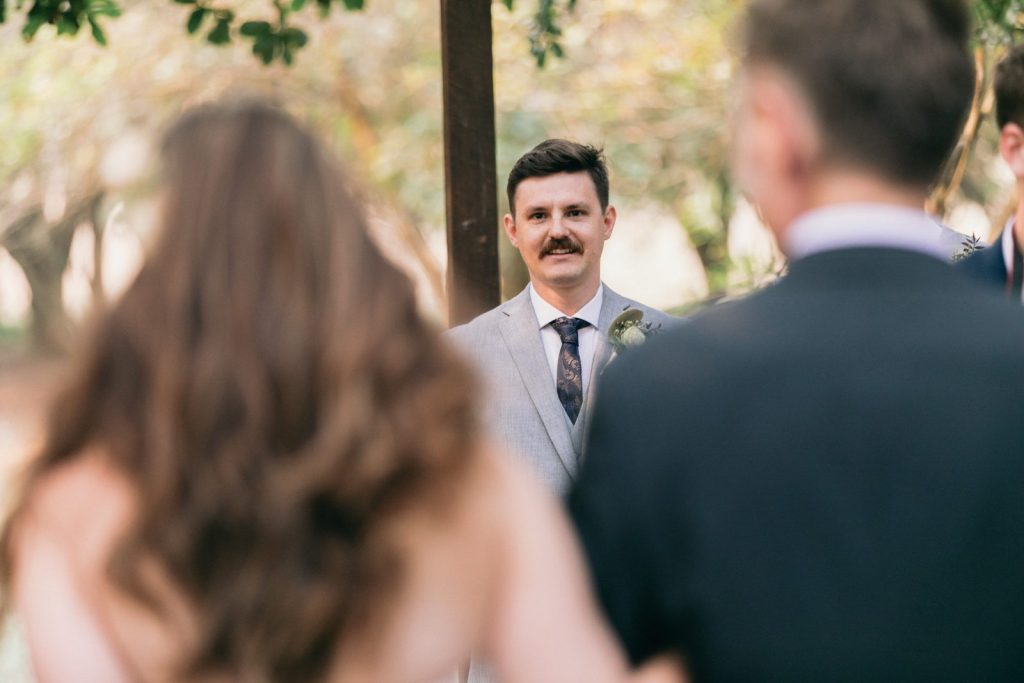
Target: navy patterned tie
[{"x": 569, "y": 379}]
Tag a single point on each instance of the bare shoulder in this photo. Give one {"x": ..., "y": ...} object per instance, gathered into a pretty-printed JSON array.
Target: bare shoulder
[
  {"x": 78, "y": 624},
  {"x": 466, "y": 530},
  {"x": 524, "y": 515},
  {"x": 499, "y": 493},
  {"x": 83, "y": 505},
  {"x": 448, "y": 551},
  {"x": 509, "y": 485}
]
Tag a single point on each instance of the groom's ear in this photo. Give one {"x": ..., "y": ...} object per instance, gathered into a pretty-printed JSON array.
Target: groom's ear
[
  {"x": 510, "y": 229},
  {"x": 609, "y": 221},
  {"x": 1011, "y": 148}
]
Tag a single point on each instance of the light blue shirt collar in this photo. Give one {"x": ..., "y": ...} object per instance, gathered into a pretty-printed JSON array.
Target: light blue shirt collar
[{"x": 846, "y": 226}]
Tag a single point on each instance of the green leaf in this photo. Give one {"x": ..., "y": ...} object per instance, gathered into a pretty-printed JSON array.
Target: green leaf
[
  {"x": 508, "y": 3},
  {"x": 67, "y": 27},
  {"x": 264, "y": 47},
  {"x": 195, "y": 19},
  {"x": 286, "y": 55},
  {"x": 353, "y": 4},
  {"x": 298, "y": 4},
  {"x": 185, "y": 2},
  {"x": 103, "y": 8},
  {"x": 557, "y": 51},
  {"x": 254, "y": 28},
  {"x": 294, "y": 37},
  {"x": 221, "y": 34},
  {"x": 31, "y": 27},
  {"x": 97, "y": 32},
  {"x": 112, "y": 11}
]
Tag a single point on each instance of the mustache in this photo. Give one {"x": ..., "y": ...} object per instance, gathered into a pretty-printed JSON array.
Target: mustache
[{"x": 563, "y": 243}]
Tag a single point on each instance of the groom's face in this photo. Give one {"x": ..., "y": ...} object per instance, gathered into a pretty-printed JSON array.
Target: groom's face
[{"x": 560, "y": 228}]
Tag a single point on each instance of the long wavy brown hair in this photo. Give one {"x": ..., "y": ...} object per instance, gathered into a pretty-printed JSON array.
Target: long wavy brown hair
[{"x": 270, "y": 391}]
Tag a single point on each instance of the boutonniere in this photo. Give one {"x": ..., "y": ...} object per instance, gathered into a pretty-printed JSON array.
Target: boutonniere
[
  {"x": 630, "y": 330},
  {"x": 968, "y": 246}
]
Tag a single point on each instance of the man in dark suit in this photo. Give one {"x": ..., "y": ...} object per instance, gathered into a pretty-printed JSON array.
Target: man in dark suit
[
  {"x": 1002, "y": 264},
  {"x": 825, "y": 481}
]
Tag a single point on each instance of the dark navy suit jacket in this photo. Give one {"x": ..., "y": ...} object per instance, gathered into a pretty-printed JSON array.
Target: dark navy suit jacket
[
  {"x": 820, "y": 482},
  {"x": 987, "y": 265}
]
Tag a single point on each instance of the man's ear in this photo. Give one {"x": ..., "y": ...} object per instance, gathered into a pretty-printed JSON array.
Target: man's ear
[
  {"x": 777, "y": 152},
  {"x": 510, "y": 229},
  {"x": 1011, "y": 147},
  {"x": 799, "y": 143},
  {"x": 784, "y": 135},
  {"x": 609, "y": 221}
]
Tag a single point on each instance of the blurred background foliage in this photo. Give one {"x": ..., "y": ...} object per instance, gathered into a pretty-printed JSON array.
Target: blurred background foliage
[
  {"x": 648, "y": 81},
  {"x": 975, "y": 180},
  {"x": 276, "y": 37}
]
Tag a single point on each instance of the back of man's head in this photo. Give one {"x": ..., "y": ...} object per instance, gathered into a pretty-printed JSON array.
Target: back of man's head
[
  {"x": 889, "y": 82},
  {"x": 1009, "y": 88}
]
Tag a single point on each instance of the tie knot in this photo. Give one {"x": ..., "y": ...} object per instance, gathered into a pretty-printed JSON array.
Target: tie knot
[{"x": 567, "y": 329}]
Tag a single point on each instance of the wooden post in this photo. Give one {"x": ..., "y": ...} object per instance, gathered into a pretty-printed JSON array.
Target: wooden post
[{"x": 474, "y": 284}]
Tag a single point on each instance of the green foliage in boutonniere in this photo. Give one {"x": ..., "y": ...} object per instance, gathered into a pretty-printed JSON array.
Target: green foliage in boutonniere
[
  {"x": 968, "y": 246},
  {"x": 630, "y": 329}
]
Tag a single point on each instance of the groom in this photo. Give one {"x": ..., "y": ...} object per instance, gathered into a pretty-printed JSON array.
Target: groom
[{"x": 541, "y": 352}]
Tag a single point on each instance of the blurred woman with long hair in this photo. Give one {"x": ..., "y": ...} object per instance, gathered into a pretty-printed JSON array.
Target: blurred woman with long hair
[{"x": 267, "y": 467}]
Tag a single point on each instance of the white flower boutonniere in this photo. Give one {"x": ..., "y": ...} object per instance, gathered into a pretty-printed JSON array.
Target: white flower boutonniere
[{"x": 630, "y": 330}]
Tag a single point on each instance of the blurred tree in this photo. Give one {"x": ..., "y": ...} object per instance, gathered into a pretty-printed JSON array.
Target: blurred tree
[
  {"x": 997, "y": 24},
  {"x": 998, "y": 20},
  {"x": 41, "y": 247},
  {"x": 275, "y": 39}
]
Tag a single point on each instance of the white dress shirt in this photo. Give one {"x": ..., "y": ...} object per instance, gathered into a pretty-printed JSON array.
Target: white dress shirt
[
  {"x": 590, "y": 312},
  {"x": 845, "y": 226},
  {"x": 1006, "y": 242}
]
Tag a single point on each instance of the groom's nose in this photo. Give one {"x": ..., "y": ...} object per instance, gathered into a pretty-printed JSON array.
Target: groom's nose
[{"x": 558, "y": 228}]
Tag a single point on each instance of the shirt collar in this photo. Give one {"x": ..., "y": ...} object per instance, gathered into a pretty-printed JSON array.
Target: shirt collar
[
  {"x": 591, "y": 311},
  {"x": 1007, "y": 244},
  {"x": 845, "y": 226}
]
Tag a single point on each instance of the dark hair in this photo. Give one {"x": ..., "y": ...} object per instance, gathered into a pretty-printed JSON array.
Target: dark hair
[
  {"x": 559, "y": 156},
  {"x": 890, "y": 81},
  {"x": 1009, "y": 88},
  {"x": 269, "y": 389}
]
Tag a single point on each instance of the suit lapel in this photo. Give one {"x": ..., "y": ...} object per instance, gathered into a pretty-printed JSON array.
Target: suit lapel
[
  {"x": 611, "y": 306},
  {"x": 522, "y": 337}
]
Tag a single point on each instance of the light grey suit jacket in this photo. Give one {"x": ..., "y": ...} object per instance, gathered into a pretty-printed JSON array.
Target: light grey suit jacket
[{"x": 521, "y": 406}]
